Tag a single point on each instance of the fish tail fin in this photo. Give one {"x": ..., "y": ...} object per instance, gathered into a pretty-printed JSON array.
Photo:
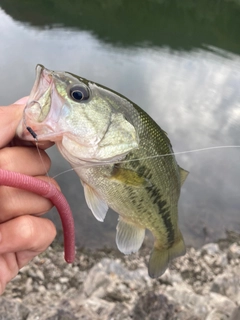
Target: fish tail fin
[{"x": 160, "y": 257}]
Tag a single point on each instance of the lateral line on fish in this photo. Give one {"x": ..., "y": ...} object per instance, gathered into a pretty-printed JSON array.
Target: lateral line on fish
[{"x": 151, "y": 157}]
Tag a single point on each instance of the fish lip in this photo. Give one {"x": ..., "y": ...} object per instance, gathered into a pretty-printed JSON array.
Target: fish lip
[
  {"x": 44, "y": 83},
  {"x": 43, "y": 79},
  {"x": 34, "y": 116},
  {"x": 38, "y": 71}
]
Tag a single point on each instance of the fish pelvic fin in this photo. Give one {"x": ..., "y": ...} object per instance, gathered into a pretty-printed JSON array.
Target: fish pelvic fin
[
  {"x": 160, "y": 257},
  {"x": 129, "y": 237},
  {"x": 97, "y": 205}
]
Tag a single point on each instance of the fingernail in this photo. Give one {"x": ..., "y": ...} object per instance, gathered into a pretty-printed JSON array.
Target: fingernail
[{"x": 22, "y": 100}]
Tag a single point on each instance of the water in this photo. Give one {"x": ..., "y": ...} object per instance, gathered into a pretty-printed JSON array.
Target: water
[{"x": 180, "y": 62}]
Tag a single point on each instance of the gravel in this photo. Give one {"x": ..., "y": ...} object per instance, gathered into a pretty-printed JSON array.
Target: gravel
[{"x": 204, "y": 284}]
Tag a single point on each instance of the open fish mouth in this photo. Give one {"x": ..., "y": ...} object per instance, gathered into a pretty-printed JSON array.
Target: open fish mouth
[
  {"x": 43, "y": 81},
  {"x": 43, "y": 108},
  {"x": 39, "y": 103}
]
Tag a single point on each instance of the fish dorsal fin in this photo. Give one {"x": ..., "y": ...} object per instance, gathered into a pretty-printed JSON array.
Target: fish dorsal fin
[
  {"x": 183, "y": 175},
  {"x": 128, "y": 177},
  {"x": 165, "y": 132},
  {"x": 95, "y": 203},
  {"x": 129, "y": 237}
]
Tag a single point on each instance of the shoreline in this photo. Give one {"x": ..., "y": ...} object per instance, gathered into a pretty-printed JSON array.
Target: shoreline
[{"x": 104, "y": 284}]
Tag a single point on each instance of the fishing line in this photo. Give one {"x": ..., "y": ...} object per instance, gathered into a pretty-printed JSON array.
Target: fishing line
[
  {"x": 45, "y": 169},
  {"x": 180, "y": 152},
  {"x": 147, "y": 158}
]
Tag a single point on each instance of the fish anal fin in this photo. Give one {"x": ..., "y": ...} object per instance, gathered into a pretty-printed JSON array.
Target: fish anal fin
[
  {"x": 160, "y": 257},
  {"x": 129, "y": 237},
  {"x": 128, "y": 177},
  {"x": 95, "y": 203},
  {"x": 183, "y": 174}
]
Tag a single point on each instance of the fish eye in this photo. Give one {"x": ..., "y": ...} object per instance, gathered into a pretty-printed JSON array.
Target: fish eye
[{"x": 79, "y": 93}]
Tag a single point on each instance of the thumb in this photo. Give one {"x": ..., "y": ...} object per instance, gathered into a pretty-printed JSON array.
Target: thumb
[
  {"x": 10, "y": 117},
  {"x": 22, "y": 100}
]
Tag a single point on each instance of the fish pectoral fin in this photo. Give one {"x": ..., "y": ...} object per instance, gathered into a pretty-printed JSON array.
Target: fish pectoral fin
[
  {"x": 160, "y": 258},
  {"x": 95, "y": 203},
  {"x": 129, "y": 237},
  {"x": 183, "y": 175},
  {"x": 128, "y": 177}
]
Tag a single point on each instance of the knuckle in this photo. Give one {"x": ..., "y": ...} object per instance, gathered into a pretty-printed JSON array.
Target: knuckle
[
  {"x": 26, "y": 228},
  {"x": 36, "y": 233}
]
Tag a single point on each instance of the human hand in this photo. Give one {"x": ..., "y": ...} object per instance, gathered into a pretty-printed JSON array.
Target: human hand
[{"x": 23, "y": 232}]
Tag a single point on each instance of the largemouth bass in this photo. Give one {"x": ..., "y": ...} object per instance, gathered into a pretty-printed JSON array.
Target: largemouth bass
[{"x": 118, "y": 152}]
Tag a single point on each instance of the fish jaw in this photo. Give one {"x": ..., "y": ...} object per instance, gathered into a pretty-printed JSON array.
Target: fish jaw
[{"x": 44, "y": 109}]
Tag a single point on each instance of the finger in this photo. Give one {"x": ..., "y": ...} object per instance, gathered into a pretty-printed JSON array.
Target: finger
[
  {"x": 19, "y": 202},
  {"x": 26, "y": 234},
  {"x": 24, "y": 160},
  {"x": 22, "y": 100},
  {"x": 10, "y": 117}
]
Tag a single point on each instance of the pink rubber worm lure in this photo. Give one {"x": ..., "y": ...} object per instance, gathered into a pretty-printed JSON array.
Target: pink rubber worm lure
[{"x": 47, "y": 190}]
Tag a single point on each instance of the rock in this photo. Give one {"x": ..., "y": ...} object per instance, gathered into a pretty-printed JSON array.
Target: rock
[
  {"x": 94, "y": 308},
  {"x": 152, "y": 306},
  {"x": 216, "y": 315},
  {"x": 120, "y": 312},
  {"x": 189, "y": 300},
  {"x": 236, "y": 314},
  {"x": 39, "y": 274},
  {"x": 112, "y": 281},
  {"x": 62, "y": 315},
  {"x": 52, "y": 314},
  {"x": 228, "y": 284},
  {"x": 28, "y": 285},
  {"x": 170, "y": 277},
  {"x": 234, "y": 251},
  {"x": 12, "y": 309},
  {"x": 211, "y": 249},
  {"x": 97, "y": 281},
  {"x": 63, "y": 280},
  {"x": 221, "y": 305}
]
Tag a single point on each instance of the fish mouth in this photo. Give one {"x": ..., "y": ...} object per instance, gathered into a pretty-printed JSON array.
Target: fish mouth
[
  {"x": 39, "y": 102},
  {"x": 43, "y": 108}
]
